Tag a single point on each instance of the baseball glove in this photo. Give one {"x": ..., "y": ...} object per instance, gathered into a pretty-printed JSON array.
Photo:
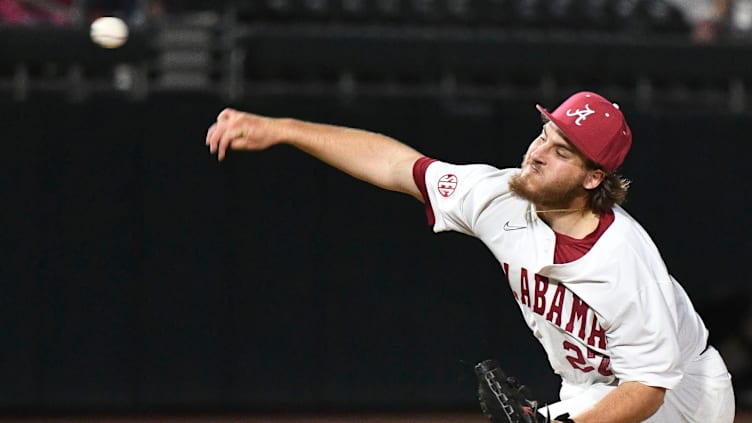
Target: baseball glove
[{"x": 503, "y": 399}]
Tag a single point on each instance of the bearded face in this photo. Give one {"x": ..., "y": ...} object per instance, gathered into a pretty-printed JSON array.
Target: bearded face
[
  {"x": 553, "y": 172},
  {"x": 557, "y": 194}
]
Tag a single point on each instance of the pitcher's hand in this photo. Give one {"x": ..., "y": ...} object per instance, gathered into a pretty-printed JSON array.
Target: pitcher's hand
[{"x": 238, "y": 130}]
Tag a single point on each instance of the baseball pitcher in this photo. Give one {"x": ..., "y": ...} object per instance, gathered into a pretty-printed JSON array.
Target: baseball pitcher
[{"x": 617, "y": 328}]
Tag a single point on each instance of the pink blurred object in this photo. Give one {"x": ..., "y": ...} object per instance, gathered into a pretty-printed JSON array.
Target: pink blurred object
[
  {"x": 14, "y": 13},
  {"x": 26, "y": 12}
]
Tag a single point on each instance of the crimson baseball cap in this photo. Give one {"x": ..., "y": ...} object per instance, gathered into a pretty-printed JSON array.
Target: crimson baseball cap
[{"x": 595, "y": 126}]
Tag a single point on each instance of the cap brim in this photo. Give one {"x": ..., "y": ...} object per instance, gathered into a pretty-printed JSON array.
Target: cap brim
[
  {"x": 545, "y": 112},
  {"x": 555, "y": 121},
  {"x": 550, "y": 117}
]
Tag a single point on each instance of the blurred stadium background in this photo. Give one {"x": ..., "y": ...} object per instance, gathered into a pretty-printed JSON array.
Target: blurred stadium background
[{"x": 143, "y": 281}]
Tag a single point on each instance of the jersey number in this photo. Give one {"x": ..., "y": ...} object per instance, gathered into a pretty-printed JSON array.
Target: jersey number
[{"x": 578, "y": 360}]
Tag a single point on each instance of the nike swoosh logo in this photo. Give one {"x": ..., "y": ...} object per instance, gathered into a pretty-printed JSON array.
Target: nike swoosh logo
[{"x": 508, "y": 227}]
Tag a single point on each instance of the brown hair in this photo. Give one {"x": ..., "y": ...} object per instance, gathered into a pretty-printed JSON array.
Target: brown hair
[{"x": 612, "y": 190}]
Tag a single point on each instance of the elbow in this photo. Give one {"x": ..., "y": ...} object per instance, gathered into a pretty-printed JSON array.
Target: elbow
[
  {"x": 646, "y": 399},
  {"x": 654, "y": 400}
]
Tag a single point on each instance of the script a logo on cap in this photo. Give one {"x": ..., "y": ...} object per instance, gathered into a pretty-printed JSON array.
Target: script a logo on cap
[
  {"x": 581, "y": 114},
  {"x": 447, "y": 185}
]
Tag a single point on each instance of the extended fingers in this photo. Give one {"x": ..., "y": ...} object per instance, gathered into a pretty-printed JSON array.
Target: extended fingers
[
  {"x": 210, "y": 133},
  {"x": 214, "y": 136},
  {"x": 230, "y": 125},
  {"x": 225, "y": 141}
]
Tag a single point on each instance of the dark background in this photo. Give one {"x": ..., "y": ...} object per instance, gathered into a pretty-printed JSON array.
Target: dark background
[{"x": 138, "y": 274}]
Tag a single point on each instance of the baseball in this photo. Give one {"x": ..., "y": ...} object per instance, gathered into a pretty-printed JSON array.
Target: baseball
[{"x": 109, "y": 32}]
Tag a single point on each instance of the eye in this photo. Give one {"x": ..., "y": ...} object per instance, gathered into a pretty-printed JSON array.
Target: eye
[{"x": 562, "y": 153}]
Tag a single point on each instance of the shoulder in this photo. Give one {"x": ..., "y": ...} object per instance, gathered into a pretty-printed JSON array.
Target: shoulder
[
  {"x": 623, "y": 263},
  {"x": 459, "y": 195},
  {"x": 474, "y": 169},
  {"x": 448, "y": 178},
  {"x": 628, "y": 237}
]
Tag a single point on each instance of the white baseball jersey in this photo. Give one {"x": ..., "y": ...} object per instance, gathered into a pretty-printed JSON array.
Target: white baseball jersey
[{"x": 611, "y": 316}]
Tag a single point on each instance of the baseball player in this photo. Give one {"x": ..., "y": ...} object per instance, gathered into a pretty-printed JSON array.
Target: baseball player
[{"x": 617, "y": 328}]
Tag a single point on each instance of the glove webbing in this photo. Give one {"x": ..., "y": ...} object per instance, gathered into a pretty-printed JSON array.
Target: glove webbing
[{"x": 510, "y": 396}]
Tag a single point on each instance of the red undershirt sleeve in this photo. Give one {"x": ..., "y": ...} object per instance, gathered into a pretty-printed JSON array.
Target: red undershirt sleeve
[{"x": 419, "y": 176}]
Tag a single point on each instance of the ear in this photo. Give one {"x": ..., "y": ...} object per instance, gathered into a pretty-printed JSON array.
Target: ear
[{"x": 593, "y": 178}]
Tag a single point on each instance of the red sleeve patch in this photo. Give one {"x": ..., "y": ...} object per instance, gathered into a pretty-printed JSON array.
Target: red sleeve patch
[{"x": 447, "y": 185}]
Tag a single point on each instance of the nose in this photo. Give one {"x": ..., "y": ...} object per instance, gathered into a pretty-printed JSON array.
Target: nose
[{"x": 537, "y": 153}]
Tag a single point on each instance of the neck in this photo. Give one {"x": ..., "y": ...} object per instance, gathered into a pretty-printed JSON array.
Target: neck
[{"x": 576, "y": 222}]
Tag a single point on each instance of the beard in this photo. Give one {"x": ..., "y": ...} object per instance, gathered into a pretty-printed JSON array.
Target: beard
[{"x": 551, "y": 196}]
